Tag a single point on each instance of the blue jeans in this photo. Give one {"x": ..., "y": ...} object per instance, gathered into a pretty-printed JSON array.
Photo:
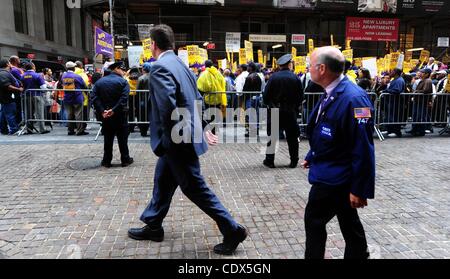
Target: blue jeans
[{"x": 8, "y": 116}]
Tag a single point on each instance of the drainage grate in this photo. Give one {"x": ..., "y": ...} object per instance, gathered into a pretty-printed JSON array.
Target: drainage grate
[{"x": 84, "y": 163}]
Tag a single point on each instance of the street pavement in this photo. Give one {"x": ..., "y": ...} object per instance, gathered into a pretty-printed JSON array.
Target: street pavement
[{"x": 57, "y": 202}]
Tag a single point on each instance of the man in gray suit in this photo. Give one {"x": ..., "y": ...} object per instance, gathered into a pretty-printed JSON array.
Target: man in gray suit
[{"x": 173, "y": 92}]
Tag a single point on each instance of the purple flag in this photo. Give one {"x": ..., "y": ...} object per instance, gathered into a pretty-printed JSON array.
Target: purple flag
[{"x": 103, "y": 43}]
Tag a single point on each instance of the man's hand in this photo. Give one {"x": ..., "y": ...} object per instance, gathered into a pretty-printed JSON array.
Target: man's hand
[
  {"x": 211, "y": 138},
  {"x": 357, "y": 202},
  {"x": 107, "y": 113},
  {"x": 305, "y": 164}
]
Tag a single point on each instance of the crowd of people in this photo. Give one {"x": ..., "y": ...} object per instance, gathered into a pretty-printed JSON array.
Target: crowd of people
[{"x": 64, "y": 96}]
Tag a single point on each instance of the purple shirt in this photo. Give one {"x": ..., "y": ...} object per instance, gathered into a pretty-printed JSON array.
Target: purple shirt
[
  {"x": 32, "y": 80},
  {"x": 17, "y": 74},
  {"x": 70, "y": 82}
]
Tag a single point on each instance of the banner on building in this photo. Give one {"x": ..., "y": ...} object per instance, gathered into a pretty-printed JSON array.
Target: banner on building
[
  {"x": 379, "y": 6},
  {"x": 262, "y": 3},
  {"x": 232, "y": 41},
  {"x": 420, "y": 7},
  {"x": 298, "y": 39},
  {"x": 341, "y": 5},
  {"x": 372, "y": 29},
  {"x": 134, "y": 55},
  {"x": 304, "y": 4},
  {"x": 103, "y": 43}
]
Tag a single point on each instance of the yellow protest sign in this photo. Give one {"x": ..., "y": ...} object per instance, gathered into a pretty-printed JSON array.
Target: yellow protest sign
[
  {"x": 408, "y": 55},
  {"x": 193, "y": 54},
  {"x": 447, "y": 87},
  {"x": 393, "y": 60},
  {"x": 260, "y": 57},
  {"x": 358, "y": 62},
  {"x": 274, "y": 62},
  {"x": 294, "y": 52},
  {"x": 242, "y": 56},
  {"x": 310, "y": 45},
  {"x": 265, "y": 60},
  {"x": 300, "y": 64},
  {"x": 407, "y": 67},
  {"x": 203, "y": 55},
  {"x": 348, "y": 53},
  {"x": 424, "y": 55},
  {"x": 347, "y": 44},
  {"x": 332, "y": 39},
  {"x": 117, "y": 55},
  {"x": 234, "y": 67},
  {"x": 380, "y": 65},
  {"x": 248, "y": 51},
  {"x": 147, "y": 50}
]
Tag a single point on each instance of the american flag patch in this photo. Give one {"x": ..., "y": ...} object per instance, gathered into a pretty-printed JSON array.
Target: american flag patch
[{"x": 362, "y": 113}]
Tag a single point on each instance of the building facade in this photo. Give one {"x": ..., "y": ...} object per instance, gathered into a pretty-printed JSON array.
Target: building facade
[
  {"x": 200, "y": 21},
  {"x": 45, "y": 30}
]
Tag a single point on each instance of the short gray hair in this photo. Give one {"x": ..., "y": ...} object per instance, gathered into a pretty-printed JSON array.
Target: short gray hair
[{"x": 334, "y": 62}]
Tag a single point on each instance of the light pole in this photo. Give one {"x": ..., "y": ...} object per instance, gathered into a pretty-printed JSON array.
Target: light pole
[{"x": 112, "y": 26}]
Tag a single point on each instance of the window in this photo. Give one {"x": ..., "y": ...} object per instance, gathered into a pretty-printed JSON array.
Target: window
[
  {"x": 20, "y": 16},
  {"x": 276, "y": 28},
  {"x": 48, "y": 18},
  {"x": 68, "y": 14},
  {"x": 254, "y": 27}
]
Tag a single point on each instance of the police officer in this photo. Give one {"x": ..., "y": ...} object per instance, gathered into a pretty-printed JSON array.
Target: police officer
[
  {"x": 284, "y": 91},
  {"x": 110, "y": 98},
  {"x": 341, "y": 159}
]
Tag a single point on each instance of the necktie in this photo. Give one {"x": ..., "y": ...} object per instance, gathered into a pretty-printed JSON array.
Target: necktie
[{"x": 322, "y": 104}]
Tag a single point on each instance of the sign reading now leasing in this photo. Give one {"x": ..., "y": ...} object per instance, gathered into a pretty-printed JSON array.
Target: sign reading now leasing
[{"x": 372, "y": 29}]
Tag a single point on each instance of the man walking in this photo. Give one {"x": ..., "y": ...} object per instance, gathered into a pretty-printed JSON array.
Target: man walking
[
  {"x": 110, "y": 99},
  {"x": 284, "y": 91},
  {"x": 341, "y": 158},
  {"x": 172, "y": 89}
]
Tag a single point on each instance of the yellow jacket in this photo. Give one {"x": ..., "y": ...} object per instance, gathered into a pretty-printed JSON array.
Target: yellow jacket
[
  {"x": 83, "y": 75},
  {"x": 133, "y": 85},
  {"x": 211, "y": 80},
  {"x": 352, "y": 76}
]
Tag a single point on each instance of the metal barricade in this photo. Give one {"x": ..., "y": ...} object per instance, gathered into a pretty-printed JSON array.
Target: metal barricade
[
  {"x": 47, "y": 106},
  {"x": 412, "y": 108}
]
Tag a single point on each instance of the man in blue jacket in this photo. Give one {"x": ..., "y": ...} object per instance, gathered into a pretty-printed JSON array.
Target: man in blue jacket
[
  {"x": 173, "y": 92},
  {"x": 393, "y": 103},
  {"x": 341, "y": 159}
]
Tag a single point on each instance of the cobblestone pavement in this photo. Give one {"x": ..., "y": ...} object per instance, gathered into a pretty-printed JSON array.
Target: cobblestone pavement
[{"x": 50, "y": 210}]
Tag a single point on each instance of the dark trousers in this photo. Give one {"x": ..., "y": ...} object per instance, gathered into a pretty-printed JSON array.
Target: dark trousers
[
  {"x": 324, "y": 203},
  {"x": 288, "y": 123},
  {"x": 8, "y": 118},
  {"x": 115, "y": 126},
  {"x": 173, "y": 170}
]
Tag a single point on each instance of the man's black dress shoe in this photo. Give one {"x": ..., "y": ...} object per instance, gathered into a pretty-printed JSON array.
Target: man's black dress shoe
[
  {"x": 146, "y": 233},
  {"x": 127, "y": 162},
  {"x": 231, "y": 242},
  {"x": 269, "y": 164}
]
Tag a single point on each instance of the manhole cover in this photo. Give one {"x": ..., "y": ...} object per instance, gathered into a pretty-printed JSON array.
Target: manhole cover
[{"x": 85, "y": 163}]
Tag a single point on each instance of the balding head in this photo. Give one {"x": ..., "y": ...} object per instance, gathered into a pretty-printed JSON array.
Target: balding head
[
  {"x": 327, "y": 64},
  {"x": 14, "y": 60}
]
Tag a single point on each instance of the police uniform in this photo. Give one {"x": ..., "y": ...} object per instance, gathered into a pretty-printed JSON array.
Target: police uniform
[
  {"x": 111, "y": 92},
  {"x": 341, "y": 161},
  {"x": 284, "y": 91}
]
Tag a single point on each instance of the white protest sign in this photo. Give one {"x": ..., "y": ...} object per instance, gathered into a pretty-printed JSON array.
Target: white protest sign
[
  {"x": 232, "y": 41},
  {"x": 183, "y": 55},
  {"x": 371, "y": 65},
  {"x": 134, "y": 55}
]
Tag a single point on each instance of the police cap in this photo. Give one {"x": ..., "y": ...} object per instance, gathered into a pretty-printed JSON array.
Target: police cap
[
  {"x": 116, "y": 65},
  {"x": 283, "y": 60}
]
